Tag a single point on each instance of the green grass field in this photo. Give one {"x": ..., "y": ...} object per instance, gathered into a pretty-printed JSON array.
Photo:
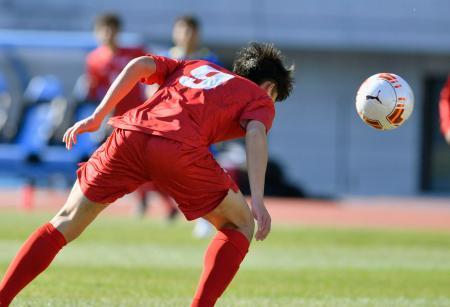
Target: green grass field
[{"x": 127, "y": 262}]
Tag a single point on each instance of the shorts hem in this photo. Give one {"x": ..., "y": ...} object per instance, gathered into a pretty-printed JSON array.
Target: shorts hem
[
  {"x": 193, "y": 215},
  {"x": 85, "y": 189}
]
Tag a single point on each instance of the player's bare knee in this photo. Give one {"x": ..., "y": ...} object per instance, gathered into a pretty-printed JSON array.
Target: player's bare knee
[
  {"x": 252, "y": 225},
  {"x": 247, "y": 227}
]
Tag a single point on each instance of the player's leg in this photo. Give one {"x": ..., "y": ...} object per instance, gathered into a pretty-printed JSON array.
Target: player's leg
[
  {"x": 171, "y": 206},
  {"x": 233, "y": 213},
  {"x": 234, "y": 222},
  {"x": 43, "y": 245},
  {"x": 115, "y": 169},
  {"x": 202, "y": 188},
  {"x": 76, "y": 214},
  {"x": 142, "y": 206}
]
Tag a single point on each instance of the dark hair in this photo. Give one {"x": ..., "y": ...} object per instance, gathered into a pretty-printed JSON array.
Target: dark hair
[
  {"x": 109, "y": 20},
  {"x": 190, "y": 20},
  {"x": 261, "y": 62}
]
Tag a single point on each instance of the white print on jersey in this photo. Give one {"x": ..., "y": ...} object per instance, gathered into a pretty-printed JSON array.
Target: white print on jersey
[{"x": 205, "y": 77}]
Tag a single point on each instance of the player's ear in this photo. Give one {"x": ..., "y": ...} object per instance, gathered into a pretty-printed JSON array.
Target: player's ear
[{"x": 270, "y": 88}]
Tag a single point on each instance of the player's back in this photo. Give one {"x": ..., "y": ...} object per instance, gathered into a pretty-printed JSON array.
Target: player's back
[{"x": 198, "y": 103}]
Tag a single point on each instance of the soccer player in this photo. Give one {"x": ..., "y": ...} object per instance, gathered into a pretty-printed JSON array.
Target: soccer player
[
  {"x": 166, "y": 140},
  {"x": 444, "y": 111},
  {"x": 104, "y": 63},
  {"x": 186, "y": 39}
]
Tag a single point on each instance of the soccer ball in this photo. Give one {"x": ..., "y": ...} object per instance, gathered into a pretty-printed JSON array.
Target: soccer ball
[{"x": 384, "y": 101}]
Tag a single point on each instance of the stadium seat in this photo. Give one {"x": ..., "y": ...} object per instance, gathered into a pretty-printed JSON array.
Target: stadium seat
[
  {"x": 43, "y": 113},
  {"x": 80, "y": 90},
  {"x": 57, "y": 158},
  {"x": 7, "y": 128},
  {"x": 30, "y": 155},
  {"x": 43, "y": 88},
  {"x": 5, "y": 104},
  {"x": 87, "y": 142}
]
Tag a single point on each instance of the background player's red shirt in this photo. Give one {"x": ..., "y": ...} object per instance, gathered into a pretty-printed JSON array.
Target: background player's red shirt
[
  {"x": 198, "y": 103},
  {"x": 103, "y": 66},
  {"x": 444, "y": 108}
]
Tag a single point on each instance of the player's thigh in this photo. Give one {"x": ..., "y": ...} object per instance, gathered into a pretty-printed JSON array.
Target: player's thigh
[
  {"x": 76, "y": 214},
  {"x": 233, "y": 212}
]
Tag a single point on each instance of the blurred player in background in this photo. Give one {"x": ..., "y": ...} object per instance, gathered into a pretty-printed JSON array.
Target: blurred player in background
[
  {"x": 104, "y": 63},
  {"x": 187, "y": 43},
  {"x": 186, "y": 37},
  {"x": 166, "y": 140},
  {"x": 444, "y": 110}
]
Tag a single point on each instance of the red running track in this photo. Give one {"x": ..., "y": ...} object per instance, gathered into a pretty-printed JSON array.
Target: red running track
[{"x": 378, "y": 212}]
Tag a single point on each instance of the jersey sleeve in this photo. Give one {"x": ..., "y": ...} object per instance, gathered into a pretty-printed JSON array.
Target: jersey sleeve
[
  {"x": 164, "y": 68},
  {"x": 261, "y": 109},
  {"x": 444, "y": 108}
]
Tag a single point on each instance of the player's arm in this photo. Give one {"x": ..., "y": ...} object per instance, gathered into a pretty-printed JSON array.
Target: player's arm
[
  {"x": 136, "y": 70},
  {"x": 257, "y": 156}
]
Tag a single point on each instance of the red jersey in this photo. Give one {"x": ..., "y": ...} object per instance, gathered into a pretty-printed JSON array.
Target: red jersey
[
  {"x": 103, "y": 66},
  {"x": 198, "y": 103},
  {"x": 444, "y": 108}
]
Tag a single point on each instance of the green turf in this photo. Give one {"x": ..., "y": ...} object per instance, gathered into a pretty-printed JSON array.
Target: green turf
[{"x": 127, "y": 262}]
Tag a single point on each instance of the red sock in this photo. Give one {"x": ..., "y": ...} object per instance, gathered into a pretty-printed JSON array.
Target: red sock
[
  {"x": 33, "y": 257},
  {"x": 222, "y": 259}
]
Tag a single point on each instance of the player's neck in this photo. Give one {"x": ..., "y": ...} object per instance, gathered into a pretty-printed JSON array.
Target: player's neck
[
  {"x": 189, "y": 49},
  {"x": 112, "y": 46}
]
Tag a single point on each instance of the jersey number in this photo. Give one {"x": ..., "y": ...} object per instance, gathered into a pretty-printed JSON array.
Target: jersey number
[{"x": 205, "y": 77}]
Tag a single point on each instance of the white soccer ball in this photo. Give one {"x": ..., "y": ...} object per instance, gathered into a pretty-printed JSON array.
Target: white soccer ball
[{"x": 384, "y": 101}]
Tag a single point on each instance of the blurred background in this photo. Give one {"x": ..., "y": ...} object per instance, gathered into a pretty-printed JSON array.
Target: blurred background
[
  {"x": 361, "y": 217},
  {"x": 318, "y": 145}
]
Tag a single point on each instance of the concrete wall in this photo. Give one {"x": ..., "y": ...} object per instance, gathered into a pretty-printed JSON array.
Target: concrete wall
[
  {"x": 317, "y": 135},
  {"x": 323, "y": 143},
  {"x": 335, "y": 45},
  {"x": 406, "y": 25}
]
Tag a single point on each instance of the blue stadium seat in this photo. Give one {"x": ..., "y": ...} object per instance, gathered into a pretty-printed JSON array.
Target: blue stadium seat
[
  {"x": 57, "y": 158},
  {"x": 30, "y": 154},
  {"x": 80, "y": 90},
  {"x": 42, "y": 95},
  {"x": 43, "y": 88},
  {"x": 5, "y": 109},
  {"x": 87, "y": 142}
]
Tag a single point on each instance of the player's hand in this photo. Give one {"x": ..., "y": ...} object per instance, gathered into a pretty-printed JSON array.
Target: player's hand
[
  {"x": 88, "y": 124},
  {"x": 262, "y": 217}
]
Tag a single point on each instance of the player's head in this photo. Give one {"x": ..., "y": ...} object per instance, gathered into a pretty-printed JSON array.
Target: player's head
[
  {"x": 106, "y": 28},
  {"x": 186, "y": 32},
  {"x": 262, "y": 63}
]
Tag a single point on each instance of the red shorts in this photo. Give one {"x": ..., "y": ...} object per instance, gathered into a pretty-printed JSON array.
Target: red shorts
[{"x": 128, "y": 159}]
